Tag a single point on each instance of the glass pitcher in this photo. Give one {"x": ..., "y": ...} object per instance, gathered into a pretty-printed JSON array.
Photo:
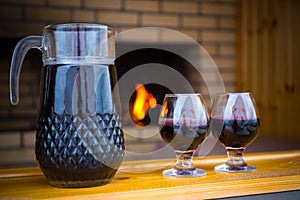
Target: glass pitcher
[{"x": 79, "y": 140}]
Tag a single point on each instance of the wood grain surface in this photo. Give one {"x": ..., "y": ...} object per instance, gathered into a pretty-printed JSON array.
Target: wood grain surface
[{"x": 277, "y": 172}]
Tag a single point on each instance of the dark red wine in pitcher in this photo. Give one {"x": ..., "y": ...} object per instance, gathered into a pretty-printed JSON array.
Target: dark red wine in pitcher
[
  {"x": 183, "y": 136},
  {"x": 235, "y": 133},
  {"x": 79, "y": 138}
]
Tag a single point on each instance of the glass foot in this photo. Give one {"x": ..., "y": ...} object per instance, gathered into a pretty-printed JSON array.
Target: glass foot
[
  {"x": 232, "y": 168},
  {"x": 184, "y": 173}
]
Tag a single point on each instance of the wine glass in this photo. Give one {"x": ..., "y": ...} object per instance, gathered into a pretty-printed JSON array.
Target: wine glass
[
  {"x": 184, "y": 125},
  {"x": 235, "y": 122}
]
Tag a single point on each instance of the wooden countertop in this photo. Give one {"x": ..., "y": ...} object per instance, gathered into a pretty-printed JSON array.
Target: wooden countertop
[{"x": 277, "y": 172}]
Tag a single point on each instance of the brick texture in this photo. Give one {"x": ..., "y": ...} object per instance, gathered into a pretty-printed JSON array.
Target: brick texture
[
  {"x": 211, "y": 49},
  {"x": 17, "y": 157},
  {"x": 228, "y": 23},
  {"x": 103, "y": 4},
  {"x": 227, "y": 77},
  {"x": 29, "y": 139},
  {"x": 83, "y": 16},
  {"x": 190, "y": 33},
  {"x": 10, "y": 139},
  {"x": 180, "y": 7},
  {"x": 65, "y": 3},
  {"x": 47, "y": 14},
  {"x": 218, "y": 36},
  {"x": 225, "y": 63},
  {"x": 227, "y": 50},
  {"x": 217, "y": 9},
  {"x": 159, "y": 20},
  {"x": 142, "y": 5},
  {"x": 117, "y": 18},
  {"x": 199, "y": 22}
]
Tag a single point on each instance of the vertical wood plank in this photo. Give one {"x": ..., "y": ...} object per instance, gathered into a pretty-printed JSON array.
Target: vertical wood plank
[
  {"x": 254, "y": 61},
  {"x": 249, "y": 47},
  {"x": 289, "y": 73},
  {"x": 281, "y": 111},
  {"x": 242, "y": 77},
  {"x": 289, "y": 43},
  {"x": 277, "y": 66},
  {"x": 265, "y": 66}
]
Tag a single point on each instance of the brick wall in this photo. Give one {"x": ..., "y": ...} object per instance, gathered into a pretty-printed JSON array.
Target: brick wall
[{"x": 210, "y": 22}]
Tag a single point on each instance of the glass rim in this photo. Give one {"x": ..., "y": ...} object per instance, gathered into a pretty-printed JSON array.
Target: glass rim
[
  {"x": 233, "y": 93},
  {"x": 76, "y": 25}
]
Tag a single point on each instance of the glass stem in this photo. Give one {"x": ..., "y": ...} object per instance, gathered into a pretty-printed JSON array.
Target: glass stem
[
  {"x": 235, "y": 157},
  {"x": 184, "y": 160}
]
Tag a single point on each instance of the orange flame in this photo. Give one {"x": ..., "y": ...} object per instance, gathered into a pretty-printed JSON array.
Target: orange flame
[
  {"x": 164, "y": 109},
  {"x": 143, "y": 102}
]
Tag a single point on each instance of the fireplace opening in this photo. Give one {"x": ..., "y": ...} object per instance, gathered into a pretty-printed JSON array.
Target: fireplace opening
[{"x": 153, "y": 57}]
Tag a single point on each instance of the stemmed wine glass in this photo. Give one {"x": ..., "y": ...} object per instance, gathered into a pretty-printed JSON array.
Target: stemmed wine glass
[
  {"x": 184, "y": 126},
  {"x": 235, "y": 122}
]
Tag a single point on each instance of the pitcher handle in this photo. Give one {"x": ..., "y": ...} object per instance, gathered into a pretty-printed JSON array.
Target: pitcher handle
[{"x": 22, "y": 47}]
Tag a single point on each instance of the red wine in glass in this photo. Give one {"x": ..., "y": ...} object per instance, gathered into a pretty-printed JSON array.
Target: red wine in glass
[
  {"x": 183, "y": 137},
  {"x": 235, "y": 122},
  {"x": 184, "y": 126},
  {"x": 236, "y": 133}
]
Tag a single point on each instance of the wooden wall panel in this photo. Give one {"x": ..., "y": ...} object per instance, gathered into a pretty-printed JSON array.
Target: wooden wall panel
[{"x": 269, "y": 63}]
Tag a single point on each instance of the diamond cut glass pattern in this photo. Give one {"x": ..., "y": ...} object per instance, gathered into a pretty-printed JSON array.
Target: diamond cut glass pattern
[{"x": 79, "y": 143}]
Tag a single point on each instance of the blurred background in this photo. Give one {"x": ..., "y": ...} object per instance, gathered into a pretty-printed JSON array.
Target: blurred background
[{"x": 255, "y": 45}]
